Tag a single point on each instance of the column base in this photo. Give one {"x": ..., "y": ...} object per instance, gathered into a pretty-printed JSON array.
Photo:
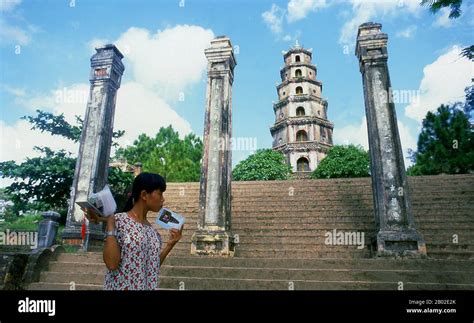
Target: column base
[
  {"x": 407, "y": 243},
  {"x": 212, "y": 243}
]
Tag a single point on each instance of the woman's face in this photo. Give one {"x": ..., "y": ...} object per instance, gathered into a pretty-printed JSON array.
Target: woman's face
[{"x": 155, "y": 200}]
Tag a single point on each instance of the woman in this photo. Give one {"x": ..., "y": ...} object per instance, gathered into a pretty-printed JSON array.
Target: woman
[{"x": 133, "y": 250}]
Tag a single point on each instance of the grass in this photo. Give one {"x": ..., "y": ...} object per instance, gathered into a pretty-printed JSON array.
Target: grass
[{"x": 25, "y": 223}]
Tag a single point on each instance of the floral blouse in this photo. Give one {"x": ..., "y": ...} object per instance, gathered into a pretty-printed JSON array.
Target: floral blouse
[{"x": 140, "y": 247}]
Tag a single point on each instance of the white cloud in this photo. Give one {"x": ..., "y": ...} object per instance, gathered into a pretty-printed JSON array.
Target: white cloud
[
  {"x": 407, "y": 32},
  {"x": 139, "y": 110},
  {"x": 98, "y": 42},
  {"x": 296, "y": 10},
  {"x": 443, "y": 82},
  {"x": 442, "y": 18},
  {"x": 13, "y": 90},
  {"x": 13, "y": 34},
  {"x": 357, "y": 135},
  {"x": 292, "y": 37},
  {"x": 17, "y": 141},
  {"x": 8, "y": 5},
  {"x": 367, "y": 10},
  {"x": 299, "y": 9},
  {"x": 171, "y": 59},
  {"x": 274, "y": 18},
  {"x": 352, "y": 134},
  {"x": 10, "y": 33}
]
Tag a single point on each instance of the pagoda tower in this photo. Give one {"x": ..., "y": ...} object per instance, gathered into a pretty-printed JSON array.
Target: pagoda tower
[{"x": 302, "y": 131}]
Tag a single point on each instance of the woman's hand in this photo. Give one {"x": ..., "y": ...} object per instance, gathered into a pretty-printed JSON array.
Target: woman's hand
[
  {"x": 175, "y": 236},
  {"x": 92, "y": 216}
]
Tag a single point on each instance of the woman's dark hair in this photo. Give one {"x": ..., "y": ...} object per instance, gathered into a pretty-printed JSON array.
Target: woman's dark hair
[{"x": 144, "y": 181}]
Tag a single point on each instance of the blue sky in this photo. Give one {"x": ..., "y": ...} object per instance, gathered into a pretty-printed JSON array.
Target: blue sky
[{"x": 45, "y": 47}]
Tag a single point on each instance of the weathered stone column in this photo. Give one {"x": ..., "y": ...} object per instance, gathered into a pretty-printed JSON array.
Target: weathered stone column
[
  {"x": 396, "y": 233},
  {"x": 213, "y": 235},
  {"x": 96, "y": 139}
]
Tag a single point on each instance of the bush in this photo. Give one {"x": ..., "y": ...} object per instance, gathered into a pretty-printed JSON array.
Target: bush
[
  {"x": 344, "y": 162},
  {"x": 264, "y": 165}
]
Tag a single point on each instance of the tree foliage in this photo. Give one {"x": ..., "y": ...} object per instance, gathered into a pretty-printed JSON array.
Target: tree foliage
[
  {"x": 44, "y": 182},
  {"x": 178, "y": 160},
  {"x": 445, "y": 144},
  {"x": 41, "y": 183},
  {"x": 344, "y": 162},
  {"x": 57, "y": 125},
  {"x": 263, "y": 165}
]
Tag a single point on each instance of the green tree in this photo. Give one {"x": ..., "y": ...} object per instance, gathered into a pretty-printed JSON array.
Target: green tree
[
  {"x": 344, "y": 162},
  {"x": 455, "y": 12},
  {"x": 445, "y": 144},
  {"x": 44, "y": 182},
  {"x": 57, "y": 125},
  {"x": 178, "y": 160},
  {"x": 41, "y": 183},
  {"x": 263, "y": 165},
  {"x": 120, "y": 184}
]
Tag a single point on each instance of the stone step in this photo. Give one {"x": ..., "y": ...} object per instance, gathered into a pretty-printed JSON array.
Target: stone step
[
  {"x": 450, "y": 254},
  {"x": 349, "y": 216},
  {"x": 359, "y": 190},
  {"x": 441, "y": 197},
  {"x": 264, "y": 253},
  {"x": 327, "y": 210},
  {"x": 289, "y": 274},
  {"x": 327, "y": 263},
  {"x": 326, "y": 220},
  {"x": 64, "y": 286},
  {"x": 360, "y": 193},
  {"x": 72, "y": 278},
  {"x": 330, "y": 226},
  {"x": 461, "y": 225},
  {"x": 412, "y": 181},
  {"x": 191, "y": 283},
  {"x": 89, "y": 257},
  {"x": 197, "y": 260},
  {"x": 322, "y": 263},
  {"x": 292, "y": 273},
  {"x": 242, "y": 273}
]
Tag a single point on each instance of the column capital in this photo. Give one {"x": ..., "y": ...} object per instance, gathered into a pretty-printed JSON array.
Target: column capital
[
  {"x": 371, "y": 46},
  {"x": 106, "y": 65}
]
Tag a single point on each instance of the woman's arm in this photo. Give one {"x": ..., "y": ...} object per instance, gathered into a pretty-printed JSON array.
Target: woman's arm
[
  {"x": 111, "y": 253},
  {"x": 175, "y": 236}
]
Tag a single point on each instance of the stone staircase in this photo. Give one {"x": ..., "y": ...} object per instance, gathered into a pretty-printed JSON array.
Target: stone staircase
[{"x": 281, "y": 227}]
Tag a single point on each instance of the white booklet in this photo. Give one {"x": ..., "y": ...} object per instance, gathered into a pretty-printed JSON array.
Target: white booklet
[
  {"x": 168, "y": 219},
  {"x": 102, "y": 202}
]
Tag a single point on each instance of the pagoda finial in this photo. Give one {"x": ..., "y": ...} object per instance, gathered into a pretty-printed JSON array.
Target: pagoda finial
[{"x": 297, "y": 45}]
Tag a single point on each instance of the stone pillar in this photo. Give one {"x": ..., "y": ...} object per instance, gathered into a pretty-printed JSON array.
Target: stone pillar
[
  {"x": 94, "y": 151},
  {"x": 213, "y": 235},
  {"x": 396, "y": 233}
]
